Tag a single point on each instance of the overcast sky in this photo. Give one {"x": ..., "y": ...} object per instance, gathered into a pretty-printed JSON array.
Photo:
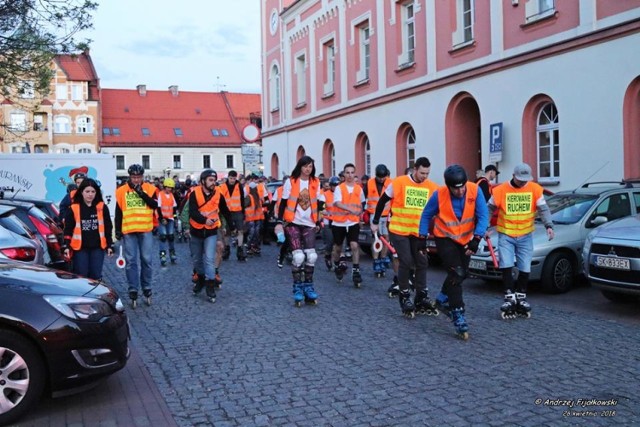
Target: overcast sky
[{"x": 189, "y": 43}]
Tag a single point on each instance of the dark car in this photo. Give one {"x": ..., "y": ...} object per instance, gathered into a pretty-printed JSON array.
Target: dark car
[
  {"x": 41, "y": 224},
  {"x": 59, "y": 334},
  {"x": 17, "y": 242},
  {"x": 46, "y": 206}
]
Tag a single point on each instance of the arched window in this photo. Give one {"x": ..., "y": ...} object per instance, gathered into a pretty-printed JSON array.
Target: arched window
[
  {"x": 548, "y": 140},
  {"x": 328, "y": 158},
  {"x": 274, "y": 88},
  {"x": 411, "y": 148},
  {"x": 84, "y": 150}
]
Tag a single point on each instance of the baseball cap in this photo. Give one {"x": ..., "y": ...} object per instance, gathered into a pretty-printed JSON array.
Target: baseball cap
[
  {"x": 522, "y": 172},
  {"x": 492, "y": 168}
]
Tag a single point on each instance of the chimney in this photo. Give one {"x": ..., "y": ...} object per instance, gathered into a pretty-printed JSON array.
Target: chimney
[
  {"x": 174, "y": 90},
  {"x": 142, "y": 90}
]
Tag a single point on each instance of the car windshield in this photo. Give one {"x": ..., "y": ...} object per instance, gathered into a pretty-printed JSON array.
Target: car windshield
[
  {"x": 570, "y": 208},
  {"x": 11, "y": 223}
]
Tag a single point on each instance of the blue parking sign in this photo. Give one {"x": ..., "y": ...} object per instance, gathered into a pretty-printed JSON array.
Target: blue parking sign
[{"x": 495, "y": 142}]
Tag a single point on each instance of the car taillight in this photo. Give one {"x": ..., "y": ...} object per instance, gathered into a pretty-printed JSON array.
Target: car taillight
[
  {"x": 44, "y": 230},
  {"x": 19, "y": 254}
]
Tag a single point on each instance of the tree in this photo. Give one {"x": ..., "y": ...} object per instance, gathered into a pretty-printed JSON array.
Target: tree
[{"x": 32, "y": 33}]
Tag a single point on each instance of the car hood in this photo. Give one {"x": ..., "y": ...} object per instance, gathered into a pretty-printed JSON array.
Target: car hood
[
  {"x": 45, "y": 281},
  {"x": 625, "y": 228}
]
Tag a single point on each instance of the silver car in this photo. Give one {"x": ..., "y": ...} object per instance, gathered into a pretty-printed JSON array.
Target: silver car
[
  {"x": 17, "y": 242},
  {"x": 557, "y": 263},
  {"x": 612, "y": 259}
]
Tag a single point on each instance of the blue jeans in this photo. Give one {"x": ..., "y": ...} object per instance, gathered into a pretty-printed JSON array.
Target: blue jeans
[
  {"x": 518, "y": 248},
  {"x": 203, "y": 255},
  {"x": 254, "y": 235},
  {"x": 88, "y": 263},
  {"x": 168, "y": 232},
  {"x": 138, "y": 246}
]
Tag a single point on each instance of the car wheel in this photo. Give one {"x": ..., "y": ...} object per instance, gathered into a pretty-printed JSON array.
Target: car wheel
[
  {"x": 558, "y": 273},
  {"x": 22, "y": 376},
  {"x": 618, "y": 297}
]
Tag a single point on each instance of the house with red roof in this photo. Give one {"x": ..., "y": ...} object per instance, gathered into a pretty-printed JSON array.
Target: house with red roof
[
  {"x": 177, "y": 133},
  {"x": 65, "y": 120}
]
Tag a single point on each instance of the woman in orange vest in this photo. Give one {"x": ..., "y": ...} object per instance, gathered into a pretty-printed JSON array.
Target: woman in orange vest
[
  {"x": 300, "y": 209},
  {"x": 87, "y": 230},
  {"x": 167, "y": 211},
  {"x": 460, "y": 220},
  {"x": 256, "y": 197}
]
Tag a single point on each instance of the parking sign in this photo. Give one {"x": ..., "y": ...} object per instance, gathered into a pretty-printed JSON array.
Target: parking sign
[{"x": 495, "y": 142}]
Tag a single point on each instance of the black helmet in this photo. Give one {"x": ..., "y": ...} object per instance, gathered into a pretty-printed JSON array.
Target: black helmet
[
  {"x": 382, "y": 171},
  {"x": 207, "y": 173},
  {"x": 455, "y": 176},
  {"x": 79, "y": 175},
  {"x": 136, "y": 169},
  {"x": 334, "y": 180}
]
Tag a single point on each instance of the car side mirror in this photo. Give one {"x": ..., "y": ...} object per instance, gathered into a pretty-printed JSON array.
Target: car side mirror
[{"x": 597, "y": 221}]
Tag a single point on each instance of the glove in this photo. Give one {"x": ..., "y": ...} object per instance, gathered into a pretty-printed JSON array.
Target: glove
[
  {"x": 473, "y": 244},
  {"x": 118, "y": 235},
  {"x": 422, "y": 244}
]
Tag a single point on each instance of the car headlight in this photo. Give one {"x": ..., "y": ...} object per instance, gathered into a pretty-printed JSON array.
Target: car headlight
[{"x": 81, "y": 308}]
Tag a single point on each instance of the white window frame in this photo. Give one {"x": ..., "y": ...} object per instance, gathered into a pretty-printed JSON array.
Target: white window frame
[
  {"x": 61, "y": 124},
  {"x": 274, "y": 88},
  {"x": 465, "y": 23},
  {"x": 18, "y": 121},
  {"x": 548, "y": 138},
  {"x": 411, "y": 147},
  {"x": 84, "y": 150},
  {"x": 77, "y": 92},
  {"x": 62, "y": 93},
  {"x": 301, "y": 78},
  {"x": 39, "y": 124},
  {"x": 539, "y": 9},
  {"x": 176, "y": 164},
  {"x": 364, "y": 42},
  {"x": 63, "y": 148},
  {"x": 84, "y": 125},
  {"x": 408, "y": 12},
  {"x": 329, "y": 49}
]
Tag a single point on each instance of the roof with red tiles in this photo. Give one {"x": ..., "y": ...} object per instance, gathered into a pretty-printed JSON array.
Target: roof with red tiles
[
  {"x": 202, "y": 117},
  {"x": 78, "y": 67}
]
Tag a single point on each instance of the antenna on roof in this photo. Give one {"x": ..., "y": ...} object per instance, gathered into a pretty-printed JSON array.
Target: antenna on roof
[{"x": 218, "y": 85}]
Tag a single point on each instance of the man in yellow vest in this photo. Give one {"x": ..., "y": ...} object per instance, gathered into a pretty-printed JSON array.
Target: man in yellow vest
[
  {"x": 374, "y": 187},
  {"x": 348, "y": 203},
  {"x": 517, "y": 202},
  {"x": 135, "y": 204},
  {"x": 409, "y": 195},
  {"x": 460, "y": 219}
]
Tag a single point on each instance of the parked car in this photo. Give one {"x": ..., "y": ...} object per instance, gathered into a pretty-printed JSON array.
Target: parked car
[
  {"x": 41, "y": 224},
  {"x": 611, "y": 256},
  {"x": 59, "y": 333},
  {"x": 17, "y": 242},
  {"x": 557, "y": 263},
  {"x": 49, "y": 207}
]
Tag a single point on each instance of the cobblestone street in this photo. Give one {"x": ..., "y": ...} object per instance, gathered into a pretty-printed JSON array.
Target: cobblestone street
[{"x": 252, "y": 358}]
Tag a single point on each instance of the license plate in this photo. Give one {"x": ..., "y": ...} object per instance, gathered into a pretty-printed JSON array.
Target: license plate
[
  {"x": 477, "y": 265},
  {"x": 614, "y": 263},
  {"x": 431, "y": 243}
]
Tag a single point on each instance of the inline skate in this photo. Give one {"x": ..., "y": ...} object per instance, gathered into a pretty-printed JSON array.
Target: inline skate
[
  {"x": 298, "y": 294},
  {"x": 133, "y": 297},
  {"x": 172, "y": 256},
  {"x": 508, "y": 307},
  {"x": 523, "y": 308},
  {"x": 217, "y": 281},
  {"x": 240, "y": 254},
  {"x": 460, "y": 323},
  {"x": 310, "y": 294},
  {"x": 407, "y": 307},
  {"x": 442, "y": 302},
  {"x": 424, "y": 305},
  {"x": 378, "y": 270},
  {"x": 356, "y": 277},
  {"x": 210, "y": 290},
  {"x": 339, "y": 269},
  {"x": 394, "y": 289},
  {"x": 163, "y": 258},
  {"x": 147, "y": 296}
]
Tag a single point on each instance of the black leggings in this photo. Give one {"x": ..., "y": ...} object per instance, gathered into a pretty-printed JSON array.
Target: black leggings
[{"x": 456, "y": 263}]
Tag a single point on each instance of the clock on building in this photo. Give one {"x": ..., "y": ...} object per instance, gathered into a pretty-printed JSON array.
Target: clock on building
[{"x": 273, "y": 22}]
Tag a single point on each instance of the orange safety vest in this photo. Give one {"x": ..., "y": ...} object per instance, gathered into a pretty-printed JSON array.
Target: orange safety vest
[
  {"x": 254, "y": 212},
  {"x": 208, "y": 209},
  {"x": 446, "y": 224},
  {"x": 276, "y": 208},
  {"x": 329, "y": 206},
  {"x": 167, "y": 203},
  {"x": 76, "y": 238},
  {"x": 351, "y": 200},
  {"x": 373, "y": 196},
  {"x": 292, "y": 201},
  {"x": 409, "y": 200},
  {"x": 137, "y": 217},
  {"x": 516, "y": 207},
  {"x": 233, "y": 200}
]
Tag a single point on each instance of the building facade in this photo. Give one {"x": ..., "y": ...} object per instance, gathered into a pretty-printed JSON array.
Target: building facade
[
  {"x": 175, "y": 133},
  {"x": 65, "y": 120},
  {"x": 553, "y": 83}
]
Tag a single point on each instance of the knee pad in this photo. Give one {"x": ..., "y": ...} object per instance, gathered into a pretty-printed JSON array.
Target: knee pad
[
  {"x": 163, "y": 237},
  {"x": 171, "y": 237},
  {"x": 298, "y": 258},
  {"x": 457, "y": 275},
  {"x": 312, "y": 256}
]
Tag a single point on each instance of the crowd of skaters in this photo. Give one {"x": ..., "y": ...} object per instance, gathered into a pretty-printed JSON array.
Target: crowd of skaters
[{"x": 403, "y": 212}]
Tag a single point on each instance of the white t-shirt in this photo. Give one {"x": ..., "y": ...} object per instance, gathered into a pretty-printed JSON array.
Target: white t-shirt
[
  {"x": 302, "y": 215},
  {"x": 337, "y": 198}
]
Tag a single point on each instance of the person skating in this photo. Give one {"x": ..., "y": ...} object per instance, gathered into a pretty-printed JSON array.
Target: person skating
[
  {"x": 373, "y": 189},
  {"x": 167, "y": 211},
  {"x": 135, "y": 204},
  {"x": 460, "y": 219},
  {"x": 300, "y": 207},
  {"x": 88, "y": 231},
  {"x": 327, "y": 220},
  {"x": 256, "y": 197},
  {"x": 517, "y": 202},
  {"x": 233, "y": 193},
  {"x": 409, "y": 195},
  {"x": 206, "y": 204},
  {"x": 348, "y": 202}
]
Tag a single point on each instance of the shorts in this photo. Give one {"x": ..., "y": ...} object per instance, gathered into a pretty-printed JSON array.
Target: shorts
[
  {"x": 237, "y": 221},
  {"x": 351, "y": 232}
]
